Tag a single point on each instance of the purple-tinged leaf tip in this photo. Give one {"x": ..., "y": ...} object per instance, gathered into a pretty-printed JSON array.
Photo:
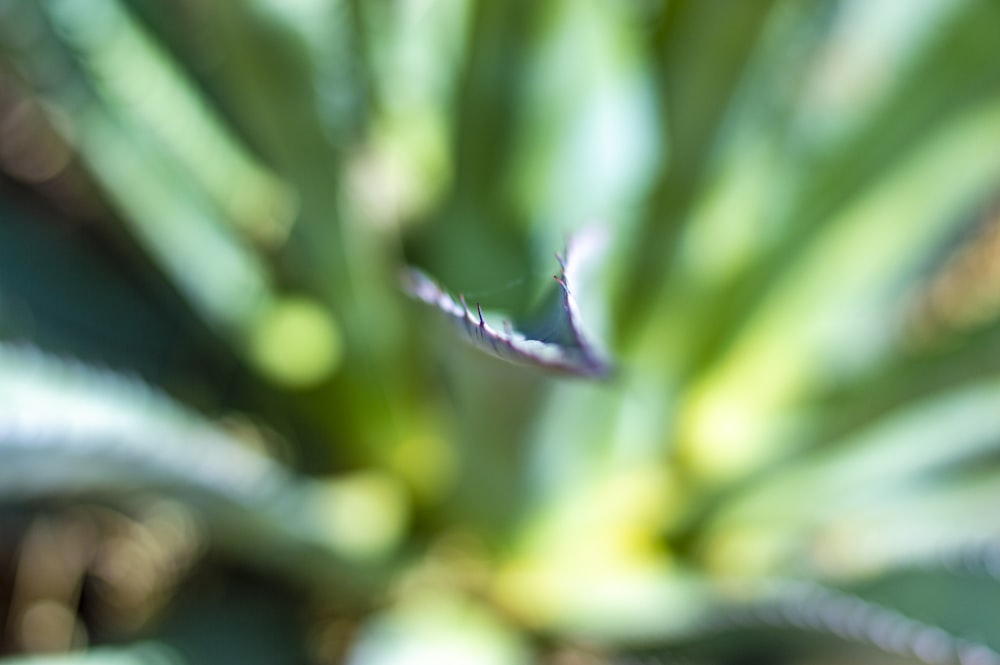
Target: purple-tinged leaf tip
[{"x": 573, "y": 355}]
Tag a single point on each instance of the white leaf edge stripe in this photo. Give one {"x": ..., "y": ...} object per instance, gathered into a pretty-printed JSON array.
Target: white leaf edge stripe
[{"x": 582, "y": 359}]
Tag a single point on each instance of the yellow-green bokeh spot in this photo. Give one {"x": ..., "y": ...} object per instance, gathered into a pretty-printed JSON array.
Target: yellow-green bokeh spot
[
  {"x": 296, "y": 343},
  {"x": 364, "y": 515}
]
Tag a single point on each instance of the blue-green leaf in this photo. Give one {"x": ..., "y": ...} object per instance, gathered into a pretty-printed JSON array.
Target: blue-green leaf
[{"x": 553, "y": 340}]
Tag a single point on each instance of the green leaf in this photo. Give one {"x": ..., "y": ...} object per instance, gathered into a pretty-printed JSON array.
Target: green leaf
[{"x": 555, "y": 340}]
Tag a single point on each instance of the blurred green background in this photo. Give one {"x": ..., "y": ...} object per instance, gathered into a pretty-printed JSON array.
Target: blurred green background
[{"x": 227, "y": 435}]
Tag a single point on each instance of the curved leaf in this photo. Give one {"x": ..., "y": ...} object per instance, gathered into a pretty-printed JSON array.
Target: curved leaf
[
  {"x": 68, "y": 431},
  {"x": 555, "y": 342}
]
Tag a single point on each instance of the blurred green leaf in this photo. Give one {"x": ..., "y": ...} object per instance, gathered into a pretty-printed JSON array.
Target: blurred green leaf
[{"x": 794, "y": 459}]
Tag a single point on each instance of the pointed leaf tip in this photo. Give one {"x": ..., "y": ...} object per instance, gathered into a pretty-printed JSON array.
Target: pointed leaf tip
[{"x": 573, "y": 355}]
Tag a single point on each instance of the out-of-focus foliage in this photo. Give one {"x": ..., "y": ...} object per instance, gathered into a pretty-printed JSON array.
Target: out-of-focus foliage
[{"x": 226, "y": 435}]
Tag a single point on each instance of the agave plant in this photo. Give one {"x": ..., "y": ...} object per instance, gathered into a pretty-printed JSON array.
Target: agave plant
[{"x": 753, "y": 419}]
